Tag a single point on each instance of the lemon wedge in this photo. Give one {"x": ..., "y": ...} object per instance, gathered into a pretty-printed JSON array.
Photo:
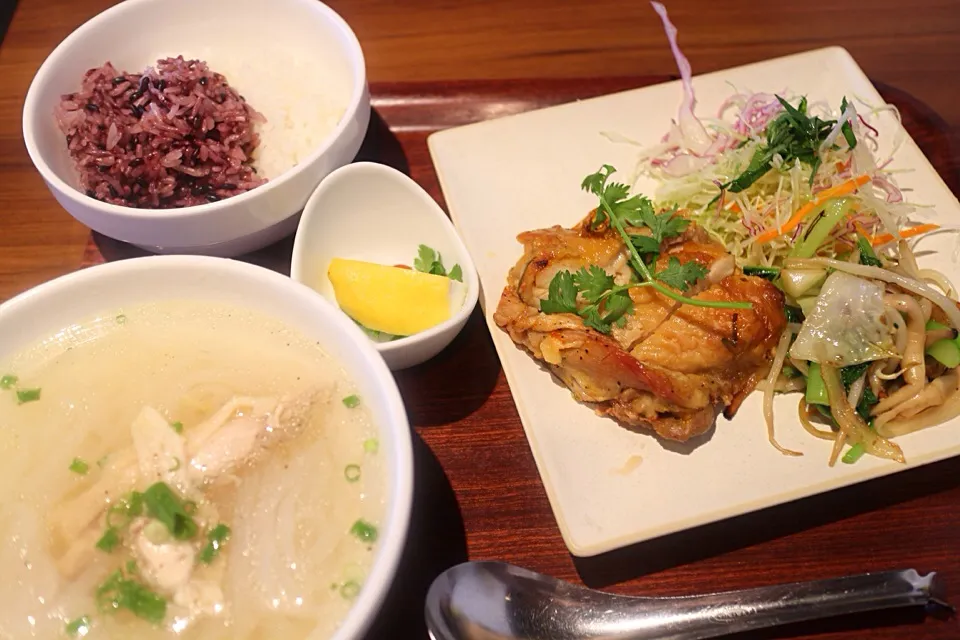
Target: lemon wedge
[{"x": 393, "y": 299}]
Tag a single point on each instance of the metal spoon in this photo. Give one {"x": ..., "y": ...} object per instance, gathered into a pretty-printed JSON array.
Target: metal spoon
[{"x": 498, "y": 601}]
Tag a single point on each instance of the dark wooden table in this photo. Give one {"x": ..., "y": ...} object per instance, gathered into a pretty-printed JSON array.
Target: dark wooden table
[{"x": 478, "y": 495}]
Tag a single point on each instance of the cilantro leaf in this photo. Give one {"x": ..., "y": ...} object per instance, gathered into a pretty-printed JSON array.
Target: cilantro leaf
[
  {"x": 594, "y": 183},
  {"x": 429, "y": 260},
  {"x": 666, "y": 225},
  {"x": 591, "y": 318},
  {"x": 645, "y": 244},
  {"x": 592, "y": 282},
  {"x": 681, "y": 276},
  {"x": 632, "y": 211},
  {"x": 617, "y": 306},
  {"x": 561, "y": 294},
  {"x": 426, "y": 259}
]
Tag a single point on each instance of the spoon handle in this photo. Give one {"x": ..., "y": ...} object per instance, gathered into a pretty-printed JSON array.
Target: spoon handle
[{"x": 713, "y": 615}]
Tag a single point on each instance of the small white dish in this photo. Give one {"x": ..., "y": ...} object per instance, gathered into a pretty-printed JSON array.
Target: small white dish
[
  {"x": 242, "y": 39},
  {"x": 372, "y": 212},
  {"x": 610, "y": 487}
]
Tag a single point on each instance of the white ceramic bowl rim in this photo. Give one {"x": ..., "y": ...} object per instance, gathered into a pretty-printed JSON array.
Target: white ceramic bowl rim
[
  {"x": 356, "y": 97},
  {"x": 383, "y": 571},
  {"x": 471, "y": 280}
]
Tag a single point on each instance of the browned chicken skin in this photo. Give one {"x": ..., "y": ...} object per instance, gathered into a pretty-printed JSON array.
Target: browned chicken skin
[{"x": 670, "y": 367}]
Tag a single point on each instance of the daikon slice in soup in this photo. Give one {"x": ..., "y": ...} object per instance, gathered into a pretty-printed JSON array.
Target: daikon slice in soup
[{"x": 183, "y": 469}]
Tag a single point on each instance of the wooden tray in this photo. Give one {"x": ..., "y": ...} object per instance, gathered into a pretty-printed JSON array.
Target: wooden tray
[{"x": 478, "y": 494}]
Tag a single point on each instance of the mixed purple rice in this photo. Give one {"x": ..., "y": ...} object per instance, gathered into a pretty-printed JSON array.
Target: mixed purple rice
[{"x": 176, "y": 135}]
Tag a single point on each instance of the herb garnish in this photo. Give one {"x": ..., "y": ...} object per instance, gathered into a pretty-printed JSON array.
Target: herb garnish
[
  {"x": 793, "y": 135},
  {"x": 27, "y": 395},
  {"x": 164, "y": 505},
  {"x": 109, "y": 540},
  {"x": 351, "y": 472},
  {"x": 365, "y": 531},
  {"x": 79, "y": 626},
  {"x": 7, "y": 381},
  {"x": 681, "y": 276},
  {"x": 119, "y": 592},
  {"x": 430, "y": 261},
  {"x": 177, "y": 426},
  {"x": 79, "y": 466},
  {"x": 607, "y": 302},
  {"x": 352, "y": 401},
  {"x": 216, "y": 538}
]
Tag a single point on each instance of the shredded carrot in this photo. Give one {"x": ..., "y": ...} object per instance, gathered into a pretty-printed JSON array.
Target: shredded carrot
[
  {"x": 909, "y": 232},
  {"x": 841, "y": 189}
]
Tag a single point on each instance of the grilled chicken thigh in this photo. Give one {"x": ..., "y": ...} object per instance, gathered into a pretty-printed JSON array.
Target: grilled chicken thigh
[{"x": 669, "y": 367}]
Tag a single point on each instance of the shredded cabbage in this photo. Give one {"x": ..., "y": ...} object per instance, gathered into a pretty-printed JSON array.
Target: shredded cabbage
[
  {"x": 845, "y": 326},
  {"x": 698, "y": 155}
]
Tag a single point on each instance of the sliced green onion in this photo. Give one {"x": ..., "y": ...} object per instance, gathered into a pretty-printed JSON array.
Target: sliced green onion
[
  {"x": 164, "y": 505},
  {"x": 351, "y": 401},
  {"x": 216, "y": 538},
  {"x": 78, "y": 627},
  {"x": 79, "y": 466},
  {"x": 118, "y": 592},
  {"x": 456, "y": 273},
  {"x": 7, "y": 381},
  {"x": 854, "y": 453},
  {"x": 816, "y": 390},
  {"x": 176, "y": 465},
  {"x": 121, "y": 318},
  {"x": 125, "y": 510},
  {"x": 365, "y": 531},
  {"x": 27, "y": 395},
  {"x": 351, "y": 472},
  {"x": 371, "y": 445},
  {"x": 349, "y": 589},
  {"x": 156, "y": 532},
  {"x": 109, "y": 540},
  {"x": 177, "y": 426}
]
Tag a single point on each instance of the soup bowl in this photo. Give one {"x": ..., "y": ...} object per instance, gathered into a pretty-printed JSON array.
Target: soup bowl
[
  {"x": 61, "y": 304},
  {"x": 296, "y": 62}
]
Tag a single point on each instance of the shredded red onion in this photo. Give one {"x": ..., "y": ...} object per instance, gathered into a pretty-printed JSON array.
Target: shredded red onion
[
  {"x": 695, "y": 136},
  {"x": 893, "y": 193},
  {"x": 873, "y": 130}
]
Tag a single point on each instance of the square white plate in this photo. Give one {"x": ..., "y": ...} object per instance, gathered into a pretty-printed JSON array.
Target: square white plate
[{"x": 610, "y": 487}]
